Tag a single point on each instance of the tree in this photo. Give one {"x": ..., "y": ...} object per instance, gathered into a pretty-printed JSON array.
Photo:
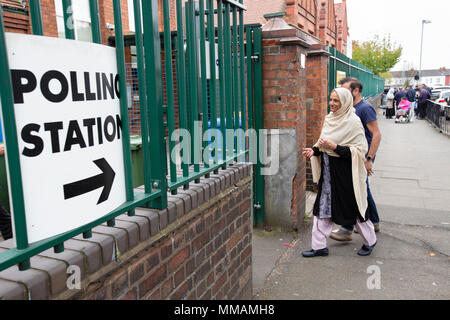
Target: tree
[
  {"x": 378, "y": 54},
  {"x": 386, "y": 75}
]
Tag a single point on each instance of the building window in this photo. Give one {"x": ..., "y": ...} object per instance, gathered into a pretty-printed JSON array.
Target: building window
[{"x": 81, "y": 17}]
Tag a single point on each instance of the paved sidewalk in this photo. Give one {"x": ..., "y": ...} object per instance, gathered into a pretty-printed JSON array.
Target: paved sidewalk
[{"x": 411, "y": 187}]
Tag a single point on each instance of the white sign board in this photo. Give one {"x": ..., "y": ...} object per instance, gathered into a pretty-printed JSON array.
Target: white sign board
[{"x": 69, "y": 129}]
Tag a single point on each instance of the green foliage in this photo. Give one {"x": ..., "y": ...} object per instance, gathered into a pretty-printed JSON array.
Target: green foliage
[
  {"x": 407, "y": 83},
  {"x": 378, "y": 54},
  {"x": 386, "y": 75}
]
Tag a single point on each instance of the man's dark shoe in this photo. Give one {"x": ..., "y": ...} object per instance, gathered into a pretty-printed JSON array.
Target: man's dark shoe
[
  {"x": 315, "y": 253},
  {"x": 341, "y": 235},
  {"x": 366, "y": 250},
  {"x": 377, "y": 227}
]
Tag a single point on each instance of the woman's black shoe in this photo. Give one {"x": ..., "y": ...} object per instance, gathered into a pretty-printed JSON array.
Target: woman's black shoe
[
  {"x": 366, "y": 250},
  {"x": 315, "y": 253}
]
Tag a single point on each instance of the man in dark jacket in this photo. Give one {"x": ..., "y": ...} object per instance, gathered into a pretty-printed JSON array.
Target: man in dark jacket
[
  {"x": 411, "y": 96},
  {"x": 424, "y": 95},
  {"x": 399, "y": 95}
]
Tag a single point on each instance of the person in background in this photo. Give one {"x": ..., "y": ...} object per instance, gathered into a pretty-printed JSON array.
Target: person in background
[
  {"x": 337, "y": 162},
  {"x": 403, "y": 109},
  {"x": 424, "y": 95},
  {"x": 399, "y": 95},
  {"x": 411, "y": 95},
  {"x": 390, "y": 110}
]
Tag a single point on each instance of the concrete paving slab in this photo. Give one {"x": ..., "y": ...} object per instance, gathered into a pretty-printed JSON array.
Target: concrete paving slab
[
  {"x": 268, "y": 247},
  {"x": 412, "y": 255}
]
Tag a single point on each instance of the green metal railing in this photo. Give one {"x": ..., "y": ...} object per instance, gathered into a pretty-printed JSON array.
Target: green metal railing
[
  {"x": 339, "y": 62},
  {"x": 225, "y": 28}
]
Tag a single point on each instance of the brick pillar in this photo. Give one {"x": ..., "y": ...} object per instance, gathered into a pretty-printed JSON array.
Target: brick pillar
[
  {"x": 48, "y": 18},
  {"x": 317, "y": 99},
  {"x": 106, "y": 9},
  {"x": 284, "y": 83}
]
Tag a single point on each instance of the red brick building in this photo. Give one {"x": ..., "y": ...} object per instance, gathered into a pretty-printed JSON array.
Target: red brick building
[
  {"x": 17, "y": 17},
  {"x": 323, "y": 19}
]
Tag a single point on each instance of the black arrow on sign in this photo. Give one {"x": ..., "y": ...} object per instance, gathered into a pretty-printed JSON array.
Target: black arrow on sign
[{"x": 104, "y": 180}]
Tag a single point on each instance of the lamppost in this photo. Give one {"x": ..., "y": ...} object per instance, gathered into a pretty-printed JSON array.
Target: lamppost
[{"x": 421, "y": 47}]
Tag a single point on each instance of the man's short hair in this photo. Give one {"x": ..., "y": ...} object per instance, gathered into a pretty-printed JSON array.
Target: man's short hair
[
  {"x": 347, "y": 80},
  {"x": 357, "y": 85}
]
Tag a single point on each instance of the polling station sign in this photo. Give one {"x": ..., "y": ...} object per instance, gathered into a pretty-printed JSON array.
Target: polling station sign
[{"x": 67, "y": 109}]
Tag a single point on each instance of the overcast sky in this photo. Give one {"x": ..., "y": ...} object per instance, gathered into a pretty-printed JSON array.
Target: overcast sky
[{"x": 403, "y": 20}]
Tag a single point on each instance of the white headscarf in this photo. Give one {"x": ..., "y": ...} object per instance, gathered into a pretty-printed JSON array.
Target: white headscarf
[
  {"x": 344, "y": 128},
  {"x": 390, "y": 94}
]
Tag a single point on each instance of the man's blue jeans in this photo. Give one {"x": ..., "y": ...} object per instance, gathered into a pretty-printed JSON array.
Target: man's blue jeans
[{"x": 371, "y": 208}]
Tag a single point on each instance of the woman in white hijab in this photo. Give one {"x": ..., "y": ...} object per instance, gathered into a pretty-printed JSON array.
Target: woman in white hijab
[
  {"x": 390, "y": 111},
  {"x": 337, "y": 162}
]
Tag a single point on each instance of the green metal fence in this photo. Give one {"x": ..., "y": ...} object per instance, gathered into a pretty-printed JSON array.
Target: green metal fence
[
  {"x": 341, "y": 66},
  {"x": 222, "y": 23}
]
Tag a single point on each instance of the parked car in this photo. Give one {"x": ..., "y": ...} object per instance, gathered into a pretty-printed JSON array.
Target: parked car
[
  {"x": 444, "y": 97},
  {"x": 435, "y": 92},
  {"x": 444, "y": 101}
]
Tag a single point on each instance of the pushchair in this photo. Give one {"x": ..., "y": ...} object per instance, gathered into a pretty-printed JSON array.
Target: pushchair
[{"x": 403, "y": 114}]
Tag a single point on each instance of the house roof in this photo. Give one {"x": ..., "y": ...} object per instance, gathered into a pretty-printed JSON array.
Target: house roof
[{"x": 424, "y": 73}]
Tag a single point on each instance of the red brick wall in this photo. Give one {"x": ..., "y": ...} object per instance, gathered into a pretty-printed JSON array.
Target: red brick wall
[
  {"x": 342, "y": 26},
  {"x": 303, "y": 14},
  {"x": 49, "y": 18},
  {"x": 320, "y": 18},
  {"x": 200, "y": 247},
  {"x": 317, "y": 95},
  {"x": 256, "y": 9},
  {"x": 207, "y": 258},
  {"x": 107, "y": 16},
  {"x": 15, "y": 22},
  {"x": 284, "y": 83},
  {"x": 327, "y": 23}
]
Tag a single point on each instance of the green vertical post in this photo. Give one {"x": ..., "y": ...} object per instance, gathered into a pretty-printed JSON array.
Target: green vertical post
[
  {"x": 222, "y": 79},
  {"x": 36, "y": 17},
  {"x": 182, "y": 98},
  {"x": 143, "y": 101},
  {"x": 204, "y": 89},
  {"x": 12, "y": 149},
  {"x": 228, "y": 76},
  {"x": 169, "y": 85},
  {"x": 69, "y": 23},
  {"x": 95, "y": 21},
  {"x": 235, "y": 69},
  {"x": 249, "y": 77},
  {"x": 120, "y": 51},
  {"x": 259, "y": 122},
  {"x": 189, "y": 81},
  {"x": 152, "y": 47},
  {"x": 212, "y": 65},
  {"x": 96, "y": 38},
  {"x": 193, "y": 79},
  {"x": 243, "y": 110}
]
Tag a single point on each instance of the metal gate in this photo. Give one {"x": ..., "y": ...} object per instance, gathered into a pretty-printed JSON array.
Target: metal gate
[
  {"x": 221, "y": 25},
  {"x": 255, "y": 112},
  {"x": 340, "y": 66}
]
